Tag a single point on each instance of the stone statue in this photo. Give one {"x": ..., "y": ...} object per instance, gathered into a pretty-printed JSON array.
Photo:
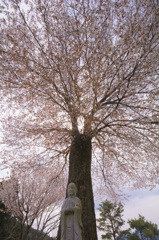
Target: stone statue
[{"x": 71, "y": 222}]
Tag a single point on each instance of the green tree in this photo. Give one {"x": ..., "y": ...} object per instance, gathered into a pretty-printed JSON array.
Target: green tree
[
  {"x": 144, "y": 229},
  {"x": 110, "y": 220},
  {"x": 127, "y": 235},
  {"x": 81, "y": 80},
  {"x": 37, "y": 235},
  {"x": 9, "y": 226},
  {"x": 4, "y": 221}
]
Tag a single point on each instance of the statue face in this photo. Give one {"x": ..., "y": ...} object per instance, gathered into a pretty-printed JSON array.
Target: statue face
[{"x": 71, "y": 190}]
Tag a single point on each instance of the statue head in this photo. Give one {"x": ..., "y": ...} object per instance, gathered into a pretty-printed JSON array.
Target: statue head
[{"x": 71, "y": 190}]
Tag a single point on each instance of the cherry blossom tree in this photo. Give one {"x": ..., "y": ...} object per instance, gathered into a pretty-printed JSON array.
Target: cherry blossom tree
[
  {"x": 33, "y": 198},
  {"x": 80, "y": 79}
]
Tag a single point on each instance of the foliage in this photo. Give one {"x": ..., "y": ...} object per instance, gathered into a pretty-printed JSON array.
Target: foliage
[
  {"x": 111, "y": 223},
  {"x": 36, "y": 235},
  {"x": 110, "y": 220},
  {"x": 8, "y": 225},
  {"x": 126, "y": 234},
  {"x": 144, "y": 229}
]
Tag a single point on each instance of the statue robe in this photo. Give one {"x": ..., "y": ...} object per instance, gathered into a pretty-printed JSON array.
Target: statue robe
[{"x": 71, "y": 222}]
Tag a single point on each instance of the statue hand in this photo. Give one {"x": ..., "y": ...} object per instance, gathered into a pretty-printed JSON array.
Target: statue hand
[{"x": 69, "y": 211}]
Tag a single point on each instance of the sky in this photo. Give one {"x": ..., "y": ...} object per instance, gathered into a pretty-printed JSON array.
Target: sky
[{"x": 143, "y": 202}]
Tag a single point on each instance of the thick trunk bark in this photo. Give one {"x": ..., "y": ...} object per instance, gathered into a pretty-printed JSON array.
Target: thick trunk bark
[{"x": 80, "y": 174}]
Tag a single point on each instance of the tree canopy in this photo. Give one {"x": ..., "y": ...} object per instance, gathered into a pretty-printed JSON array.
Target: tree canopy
[
  {"x": 144, "y": 229},
  {"x": 88, "y": 67},
  {"x": 140, "y": 228}
]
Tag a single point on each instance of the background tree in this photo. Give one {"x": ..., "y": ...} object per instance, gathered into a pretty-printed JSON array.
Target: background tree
[
  {"x": 9, "y": 228},
  {"x": 35, "y": 234},
  {"x": 110, "y": 220},
  {"x": 80, "y": 82},
  {"x": 33, "y": 200},
  {"x": 127, "y": 235},
  {"x": 144, "y": 229}
]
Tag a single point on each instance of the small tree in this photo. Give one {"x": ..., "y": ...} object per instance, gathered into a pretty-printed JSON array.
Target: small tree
[
  {"x": 144, "y": 229},
  {"x": 110, "y": 220}
]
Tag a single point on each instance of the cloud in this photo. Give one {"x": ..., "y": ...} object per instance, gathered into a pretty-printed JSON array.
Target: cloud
[{"x": 145, "y": 203}]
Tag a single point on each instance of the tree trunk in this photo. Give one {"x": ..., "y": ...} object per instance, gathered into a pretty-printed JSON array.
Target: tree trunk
[{"x": 80, "y": 174}]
